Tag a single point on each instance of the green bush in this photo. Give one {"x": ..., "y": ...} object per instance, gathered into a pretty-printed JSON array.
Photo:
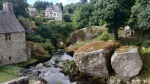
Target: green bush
[
  {"x": 145, "y": 51},
  {"x": 101, "y": 23},
  {"x": 146, "y": 44},
  {"x": 35, "y": 38},
  {"x": 56, "y": 61},
  {"x": 66, "y": 70},
  {"x": 105, "y": 36},
  {"x": 48, "y": 46}
]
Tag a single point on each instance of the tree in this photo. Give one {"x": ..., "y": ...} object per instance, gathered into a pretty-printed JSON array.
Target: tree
[
  {"x": 141, "y": 12},
  {"x": 83, "y": 1},
  {"x": 114, "y": 12},
  {"x": 41, "y": 5},
  {"x": 20, "y": 6},
  {"x": 67, "y": 17},
  {"x": 82, "y": 15}
]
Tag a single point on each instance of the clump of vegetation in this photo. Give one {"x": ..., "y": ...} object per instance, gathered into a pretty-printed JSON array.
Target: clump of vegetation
[
  {"x": 146, "y": 44},
  {"x": 48, "y": 46},
  {"x": 56, "y": 61},
  {"x": 105, "y": 36},
  {"x": 66, "y": 70},
  {"x": 145, "y": 51}
]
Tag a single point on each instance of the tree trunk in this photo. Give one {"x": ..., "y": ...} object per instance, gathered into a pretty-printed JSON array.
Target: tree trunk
[
  {"x": 116, "y": 33},
  {"x": 141, "y": 37}
]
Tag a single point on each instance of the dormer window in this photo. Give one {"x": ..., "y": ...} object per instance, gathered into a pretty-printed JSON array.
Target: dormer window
[{"x": 7, "y": 37}]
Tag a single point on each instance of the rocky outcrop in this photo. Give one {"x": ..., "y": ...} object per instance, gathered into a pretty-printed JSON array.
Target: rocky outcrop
[
  {"x": 30, "y": 27},
  {"x": 37, "y": 50},
  {"x": 126, "y": 62},
  {"x": 94, "y": 58},
  {"x": 86, "y": 33}
]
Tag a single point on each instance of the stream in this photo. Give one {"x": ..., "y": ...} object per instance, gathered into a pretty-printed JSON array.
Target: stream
[{"x": 50, "y": 73}]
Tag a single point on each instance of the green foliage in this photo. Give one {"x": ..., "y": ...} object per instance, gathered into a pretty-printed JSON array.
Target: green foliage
[
  {"x": 41, "y": 5},
  {"x": 101, "y": 23},
  {"x": 82, "y": 15},
  {"x": 67, "y": 17},
  {"x": 146, "y": 44},
  {"x": 145, "y": 51},
  {"x": 66, "y": 70},
  {"x": 141, "y": 12},
  {"x": 48, "y": 46},
  {"x": 56, "y": 61},
  {"x": 35, "y": 38},
  {"x": 105, "y": 36},
  {"x": 20, "y": 6}
]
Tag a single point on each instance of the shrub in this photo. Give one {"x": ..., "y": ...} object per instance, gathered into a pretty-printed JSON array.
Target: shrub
[
  {"x": 66, "y": 70},
  {"x": 145, "y": 51},
  {"x": 101, "y": 23},
  {"x": 48, "y": 46},
  {"x": 146, "y": 44},
  {"x": 105, "y": 36},
  {"x": 56, "y": 60},
  {"x": 35, "y": 38}
]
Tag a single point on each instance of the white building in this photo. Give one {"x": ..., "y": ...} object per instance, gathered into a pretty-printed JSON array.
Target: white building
[{"x": 54, "y": 11}]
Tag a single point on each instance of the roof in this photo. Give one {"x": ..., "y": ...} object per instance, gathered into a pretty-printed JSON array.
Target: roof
[
  {"x": 55, "y": 8},
  {"x": 9, "y": 23},
  {"x": 31, "y": 9}
]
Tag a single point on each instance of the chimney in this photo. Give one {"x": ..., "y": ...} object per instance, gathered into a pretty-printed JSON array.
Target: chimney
[{"x": 8, "y": 7}]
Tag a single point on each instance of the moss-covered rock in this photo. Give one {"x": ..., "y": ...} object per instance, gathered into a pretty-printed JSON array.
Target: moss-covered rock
[
  {"x": 37, "y": 50},
  {"x": 86, "y": 33},
  {"x": 94, "y": 58}
]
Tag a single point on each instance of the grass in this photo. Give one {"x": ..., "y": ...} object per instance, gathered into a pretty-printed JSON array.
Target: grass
[
  {"x": 8, "y": 73},
  {"x": 4, "y": 77}
]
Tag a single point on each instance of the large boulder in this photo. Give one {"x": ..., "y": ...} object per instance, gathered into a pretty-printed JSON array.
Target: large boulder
[
  {"x": 94, "y": 58},
  {"x": 126, "y": 62},
  {"x": 37, "y": 50},
  {"x": 86, "y": 33}
]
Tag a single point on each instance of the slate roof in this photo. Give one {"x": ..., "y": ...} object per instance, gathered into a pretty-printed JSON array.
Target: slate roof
[
  {"x": 9, "y": 23},
  {"x": 55, "y": 8}
]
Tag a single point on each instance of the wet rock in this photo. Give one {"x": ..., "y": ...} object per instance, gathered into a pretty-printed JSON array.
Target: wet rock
[
  {"x": 94, "y": 58},
  {"x": 126, "y": 62}
]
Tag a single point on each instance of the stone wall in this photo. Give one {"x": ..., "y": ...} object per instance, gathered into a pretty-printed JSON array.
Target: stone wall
[{"x": 14, "y": 50}]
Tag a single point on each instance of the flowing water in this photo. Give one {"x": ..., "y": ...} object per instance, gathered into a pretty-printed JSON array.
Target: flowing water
[{"x": 52, "y": 74}]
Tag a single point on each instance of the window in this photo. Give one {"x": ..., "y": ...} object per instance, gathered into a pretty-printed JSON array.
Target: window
[
  {"x": 54, "y": 14},
  {"x": 7, "y": 37}
]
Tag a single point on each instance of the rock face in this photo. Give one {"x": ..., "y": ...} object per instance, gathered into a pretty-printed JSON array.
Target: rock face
[
  {"x": 126, "y": 62},
  {"x": 86, "y": 33},
  {"x": 94, "y": 58}
]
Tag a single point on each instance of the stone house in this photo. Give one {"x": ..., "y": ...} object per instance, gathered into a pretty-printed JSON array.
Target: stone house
[
  {"x": 12, "y": 38},
  {"x": 32, "y": 11},
  {"x": 53, "y": 11}
]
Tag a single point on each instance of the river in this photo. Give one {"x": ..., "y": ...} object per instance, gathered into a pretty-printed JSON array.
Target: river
[{"x": 50, "y": 73}]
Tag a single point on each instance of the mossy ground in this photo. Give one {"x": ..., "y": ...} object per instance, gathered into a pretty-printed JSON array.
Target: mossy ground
[
  {"x": 4, "y": 77},
  {"x": 8, "y": 73}
]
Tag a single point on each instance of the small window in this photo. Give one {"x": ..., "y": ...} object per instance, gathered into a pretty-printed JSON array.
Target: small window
[
  {"x": 54, "y": 14},
  {"x": 7, "y": 37}
]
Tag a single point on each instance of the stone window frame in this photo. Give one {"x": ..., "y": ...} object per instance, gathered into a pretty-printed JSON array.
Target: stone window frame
[{"x": 7, "y": 37}]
